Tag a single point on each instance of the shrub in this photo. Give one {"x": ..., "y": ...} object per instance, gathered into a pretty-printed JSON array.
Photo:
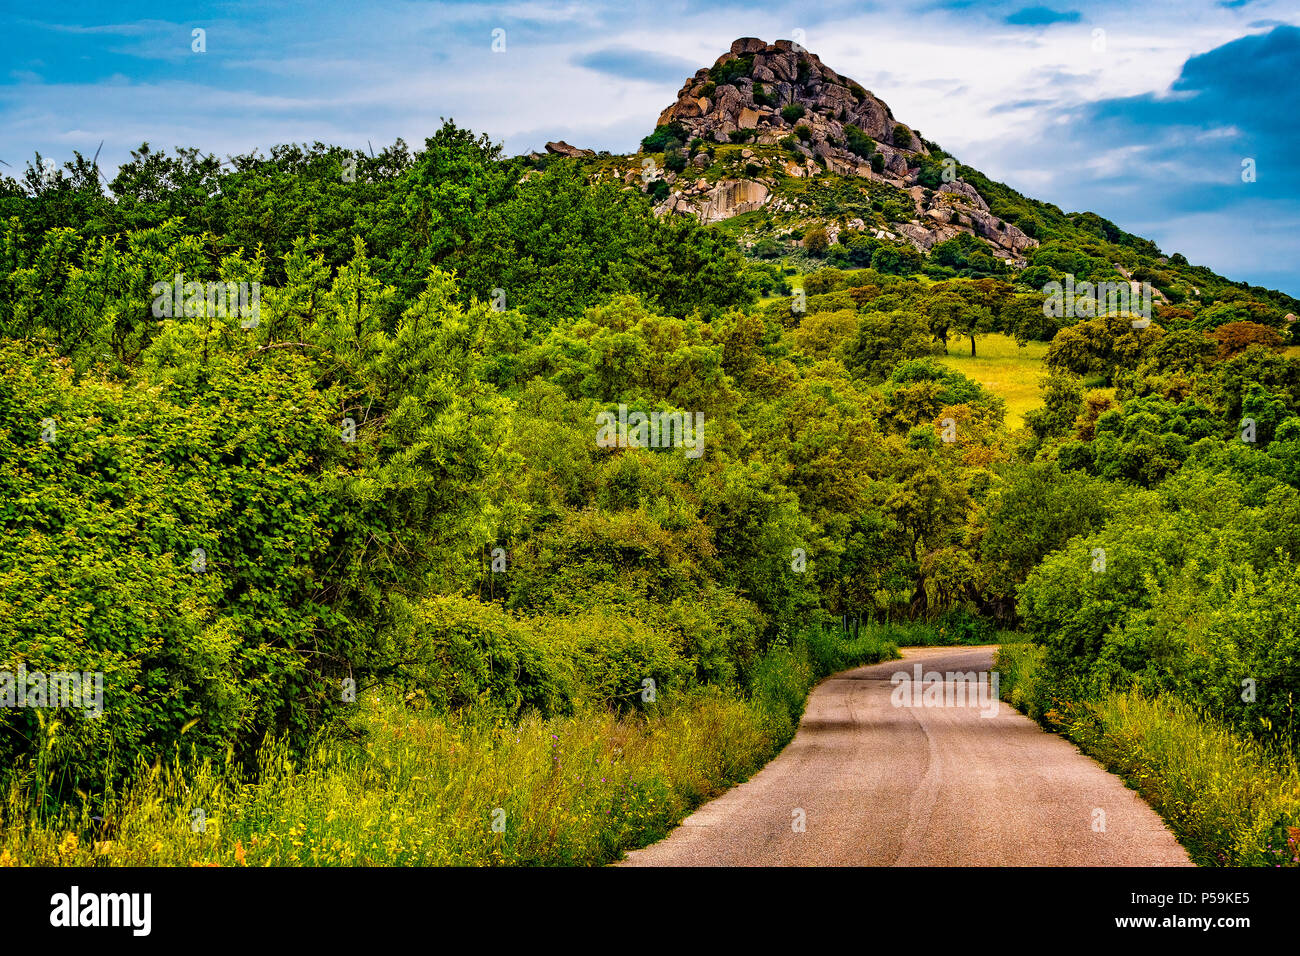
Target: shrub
[
  {"x": 803, "y": 131},
  {"x": 816, "y": 241},
  {"x": 822, "y": 281},
  {"x": 1021, "y": 667},
  {"x": 902, "y": 137},
  {"x": 1235, "y": 337},
  {"x": 931, "y": 174},
  {"x": 727, "y": 73},
  {"x": 676, "y": 162},
  {"x": 669, "y": 136},
  {"x": 611, "y": 654},
  {"x": 792, "y": 112},
  {"x": 897, "y": 260},
  {"x": 858, "y": 142},
  {"x": 462, "y": 652}
]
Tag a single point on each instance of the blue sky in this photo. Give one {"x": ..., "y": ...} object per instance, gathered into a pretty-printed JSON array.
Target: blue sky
[{"x": 1141, "y": 112}]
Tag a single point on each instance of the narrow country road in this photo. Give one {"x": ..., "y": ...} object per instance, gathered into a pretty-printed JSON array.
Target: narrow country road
[{"x": 876, "y": 784}]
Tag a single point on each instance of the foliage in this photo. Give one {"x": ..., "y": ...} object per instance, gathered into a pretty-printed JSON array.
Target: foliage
[
  {"x": 559, "y": 246},
  {"x": 858, "y": 142},
  {"x": 732, "y": 69},
  {"x": 815, "y": 240},
  {"x": 669, "y": 136},
  {"x": 578, "y": 789}
]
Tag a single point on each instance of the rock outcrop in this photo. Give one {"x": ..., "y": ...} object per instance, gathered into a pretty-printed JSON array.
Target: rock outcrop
[
  {"x": 564, "y": 149},
  {"x": 772, "y": 88},
  {"x": 731, "y": 197},
  {"x": 807, "y": 120}
]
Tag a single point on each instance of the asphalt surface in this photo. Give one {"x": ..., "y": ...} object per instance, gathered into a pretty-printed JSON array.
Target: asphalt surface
[{"x": 877, "y": 783}]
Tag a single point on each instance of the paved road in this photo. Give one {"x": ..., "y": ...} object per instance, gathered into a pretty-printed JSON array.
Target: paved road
[{"x": 886, "y": 785}]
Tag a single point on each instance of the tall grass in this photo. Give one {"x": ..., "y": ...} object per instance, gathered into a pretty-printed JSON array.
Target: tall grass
[
  {"x": 1230, "y": 800},
  {"x": 423, "y": 788},
  {"x": 1006, "y": 368}
]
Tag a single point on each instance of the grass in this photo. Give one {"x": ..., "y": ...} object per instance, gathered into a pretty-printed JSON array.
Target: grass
[
  {"x": 422, "y": 788},
  {"x": 1005, "y": 368},
  {"x": 1230, "y": 800}
]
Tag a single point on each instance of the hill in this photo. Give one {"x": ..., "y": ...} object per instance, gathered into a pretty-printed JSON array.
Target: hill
[{"x": 803, "y": 165}]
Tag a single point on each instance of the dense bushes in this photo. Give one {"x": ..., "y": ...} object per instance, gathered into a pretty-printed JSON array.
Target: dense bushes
[
  {"x": 966, "y": 255},
  {"x": 1189, "y": 591},
  {"x": 459, "y": 652},
  {"x": 172, "y": 539},
  {"x": 423, "y": 786},
  {"x": 220, "y": 537}
]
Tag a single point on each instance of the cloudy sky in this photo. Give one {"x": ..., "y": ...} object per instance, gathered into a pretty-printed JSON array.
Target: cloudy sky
[{"x": 1143, "y": 112}]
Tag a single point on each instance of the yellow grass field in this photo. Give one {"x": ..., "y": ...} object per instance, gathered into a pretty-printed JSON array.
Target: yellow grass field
[{"x": 1004, "y": 368}]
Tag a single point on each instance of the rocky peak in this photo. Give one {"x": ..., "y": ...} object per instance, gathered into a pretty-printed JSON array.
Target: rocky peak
[
  {"x": 796, "y": 118},
  {"x": 764, "y": 92}
]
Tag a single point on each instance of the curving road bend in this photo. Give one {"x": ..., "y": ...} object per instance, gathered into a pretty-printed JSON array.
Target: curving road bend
[{"x": 877, "y": 784}]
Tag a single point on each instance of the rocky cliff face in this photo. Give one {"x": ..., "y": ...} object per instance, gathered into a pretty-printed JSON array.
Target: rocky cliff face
[
  {"x": 801, "y": 119},
  {"x": 751, "y": 87}
]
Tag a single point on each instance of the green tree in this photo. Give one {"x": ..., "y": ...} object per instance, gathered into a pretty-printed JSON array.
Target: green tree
[{"x": 882, "y": 340}]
